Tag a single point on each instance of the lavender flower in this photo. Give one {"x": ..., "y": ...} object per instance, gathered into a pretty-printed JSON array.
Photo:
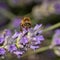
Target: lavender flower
[
  {"x": 1, "y": 40},
  {"x": 56, "y": 42},
  {"x": 27, "y": 39},
  {"x": 36, "y": 41},
  {"x": 24, "y": 40},
  {"x": 16, "y": 22},
  {"x": 57, "y": 7},
  {"x": 56, "y": 39},
  {"x": 18, "y": 53},
  {"x": 31, "y": 39},
  {"x": 37, "y": 26},
  {"x": 15, "y": 35},
  {"x": 34, "y": 47},
  {"x": 2, "y": 51},
  {"x": 39, "y": 38},
  {"x": 7, "y": 32},
  {"x": 12, "y": 48}
]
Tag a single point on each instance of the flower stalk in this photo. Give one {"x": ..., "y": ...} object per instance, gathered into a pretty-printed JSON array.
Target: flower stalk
[
  {"x": 42, "y": 49},
  {"x": 52, "y": 27}
]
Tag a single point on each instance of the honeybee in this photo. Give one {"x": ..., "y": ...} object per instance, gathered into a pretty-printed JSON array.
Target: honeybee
[{"x": 25, "y": 23}]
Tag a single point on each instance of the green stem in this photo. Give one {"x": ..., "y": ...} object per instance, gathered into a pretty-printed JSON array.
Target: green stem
[
  {"x": 37, "y": 51},
  {"x": 52, "y": 27}
]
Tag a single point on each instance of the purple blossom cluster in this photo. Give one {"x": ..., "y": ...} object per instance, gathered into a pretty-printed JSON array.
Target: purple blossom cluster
[
  {"x": 56, "y": 39},
  {"x": 19, "y": 42},
  {"x": 56, "y": 42}
]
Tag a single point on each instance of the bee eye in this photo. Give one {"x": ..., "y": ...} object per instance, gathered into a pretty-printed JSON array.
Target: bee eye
[
  {"x": 26, "y": 20},
  {"x": 27, "y": 24}
]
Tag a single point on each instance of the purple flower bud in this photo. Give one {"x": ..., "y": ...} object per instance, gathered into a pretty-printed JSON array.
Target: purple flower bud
[
  {"x": 15, "y": 35},
  {"x": 18, "y": 53},
  {"x": 1, "y": 40},
  {"x": 39, "y": 38},
  {"x": 57, "y": 7},
  {"x": 12, "y": 48},
  {"x": 37, "y": 26},
  {"x": 56, "y": 37},
  {"x": 24, "y": 40},
  {"x": 16, "y": 22},
  {"x": 7, "y": 32},
  {"x": 34, "y": 47},
  {"x": 2, "y": 51}
]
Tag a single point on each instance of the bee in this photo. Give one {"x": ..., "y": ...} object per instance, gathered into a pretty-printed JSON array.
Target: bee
[{"x": 25, "y": 23}]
